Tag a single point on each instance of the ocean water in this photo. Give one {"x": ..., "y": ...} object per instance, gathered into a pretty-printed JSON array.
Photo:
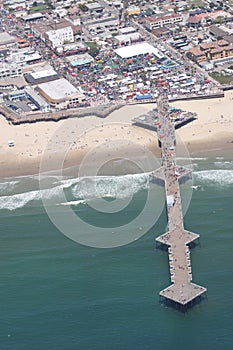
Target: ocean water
[{"x": 58, "y": 294}]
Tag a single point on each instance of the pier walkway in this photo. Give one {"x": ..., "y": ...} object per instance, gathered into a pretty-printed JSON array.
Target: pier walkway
[{"x": 182, "y": 291}]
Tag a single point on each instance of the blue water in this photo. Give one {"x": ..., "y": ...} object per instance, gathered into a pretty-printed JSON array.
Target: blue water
[{"x": 58, "y": 294}]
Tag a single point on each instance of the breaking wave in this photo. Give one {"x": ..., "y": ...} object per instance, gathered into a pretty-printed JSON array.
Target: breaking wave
[
  {"x": 190, "y": 158},
  {"x": 83, "y": 189},
  {"x": 224, "y": 165},
  {"x": 19, "y": 200},
  {"x": 110, "y": 186},
  {"x": 80, "y": 190},
  {"x": 221, "y": 177},
  {"x": 7, "y": 186}
]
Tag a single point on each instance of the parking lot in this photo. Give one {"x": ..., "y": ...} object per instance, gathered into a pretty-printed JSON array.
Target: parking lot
[{"x": 22, "y": 105}]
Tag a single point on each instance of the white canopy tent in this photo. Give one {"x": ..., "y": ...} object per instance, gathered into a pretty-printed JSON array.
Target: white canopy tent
[{"x": 136, "y": 50}]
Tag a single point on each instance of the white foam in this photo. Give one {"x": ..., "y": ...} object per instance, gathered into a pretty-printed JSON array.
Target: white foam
[
  {"x": 8, "y": 185},
  {"x": 81, "y": 188},
  {"x": 73, "y": 202},
  {"x": 68, "y": 183},
  {"x": 19, "y": 200},
  {"x": 110, "y": 186},
  {"x": 224, "y": 165},
  {"x": 191, "y": 158},
  {"x": 195, "y": 187},
  {"x": 221, "y": 177}
]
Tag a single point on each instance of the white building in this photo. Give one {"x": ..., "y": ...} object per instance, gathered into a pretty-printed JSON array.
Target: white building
[
  {"x": 60, "y": 93},
  {"x": 23, "y": 57},
  {"x": 127, "y": 30},
  {"x": 124, "y": 39},
  {"x": 7, "y": 41},
  {"x": 9, "y": 70},
  {"x": 163, "y": 21},
  {"x": 60, "y": 36},
  {"x": 13, "y": 4}
]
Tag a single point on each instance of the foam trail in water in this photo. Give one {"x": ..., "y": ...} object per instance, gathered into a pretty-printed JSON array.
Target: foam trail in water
[
  {"x": 19, "y": 200},
  {"x": 73, "y": 202}
]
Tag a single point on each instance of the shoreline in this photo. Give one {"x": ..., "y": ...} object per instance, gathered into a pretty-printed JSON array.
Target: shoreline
[{"x": 211, "y": 133}]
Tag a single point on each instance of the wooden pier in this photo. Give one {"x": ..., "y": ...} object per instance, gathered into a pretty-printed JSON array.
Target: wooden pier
[{"x": 182, "y": 293}]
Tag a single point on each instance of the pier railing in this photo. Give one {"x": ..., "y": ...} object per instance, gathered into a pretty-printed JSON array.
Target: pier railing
[{"x": 182, "y": 292}]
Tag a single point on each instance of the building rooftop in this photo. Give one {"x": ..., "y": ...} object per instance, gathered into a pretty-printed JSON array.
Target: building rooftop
[
  {"x": 19, "y": 82},
  {"x": 33, "y": 16},
  {"x": 216, "y": 31},
  {"x": 127, "y": 37},
  {"x": 35, "y": 96},
  {"x": 79, "y": 60},
  {"x": 136, "y": 50},
  {"x": 43, "y": 73},
  {"x": 196, "y": 51},
  {"x": 23, "y": 56},
  {"x": 229, "y": 38},
  {"x": 48, "y": 26},
  {"x": 6, "y": 38},
  {"x": 127, "y": 30},
  {"x": 162, "y": 18},
  {"x": 58, "y": 90},
  {"x": 93, "y": 6}
]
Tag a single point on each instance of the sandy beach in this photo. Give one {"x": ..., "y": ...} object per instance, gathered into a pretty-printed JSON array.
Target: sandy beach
[{"x": 113, "y": 138}]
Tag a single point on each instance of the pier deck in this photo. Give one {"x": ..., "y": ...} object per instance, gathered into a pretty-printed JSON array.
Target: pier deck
[
  {"x": 182, "y": 291},
  {"x": 179, "y": 172}
]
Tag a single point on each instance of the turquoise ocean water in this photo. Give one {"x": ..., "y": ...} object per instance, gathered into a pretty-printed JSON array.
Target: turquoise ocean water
[{"x": 56, "y": 294}]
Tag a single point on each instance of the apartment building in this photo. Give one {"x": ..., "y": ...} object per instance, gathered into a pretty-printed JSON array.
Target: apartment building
[
  {"x": 210, "y": 51},
  {"x": 163, "y": 21},
  {"x": 58, "y": 37},
  {"x": 9, "y": 71}
]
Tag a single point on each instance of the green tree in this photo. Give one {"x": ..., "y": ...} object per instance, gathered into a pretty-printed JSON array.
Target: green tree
[
  {"x": 83, "y": 7},
  {"x": 93, "y": 48},
  {"x": 220, "y": 19}
]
